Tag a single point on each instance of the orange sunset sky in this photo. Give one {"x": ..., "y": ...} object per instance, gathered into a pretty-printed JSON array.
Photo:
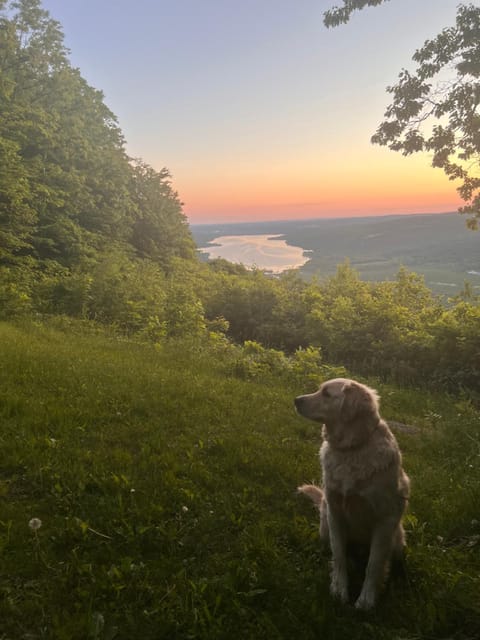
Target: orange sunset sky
[
  {"x": 382, "y": 184},
  {"x": 258, "y": 111}
]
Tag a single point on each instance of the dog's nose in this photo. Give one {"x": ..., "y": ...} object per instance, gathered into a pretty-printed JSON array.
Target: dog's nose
[{"x": 298, "y": 401}]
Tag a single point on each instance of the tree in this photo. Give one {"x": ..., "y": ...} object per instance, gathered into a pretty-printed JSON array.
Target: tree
[
  {"x": 436, "y": 108},
  {"x": 160, "y": 230},
  {"x": 17, "y": 216}
]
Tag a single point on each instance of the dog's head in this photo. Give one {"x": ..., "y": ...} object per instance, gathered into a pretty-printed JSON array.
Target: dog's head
[{"x": 348, "y": 409}]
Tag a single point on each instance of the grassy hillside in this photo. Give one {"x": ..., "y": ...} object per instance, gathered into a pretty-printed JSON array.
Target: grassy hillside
[{"x": 166, "y": 485}]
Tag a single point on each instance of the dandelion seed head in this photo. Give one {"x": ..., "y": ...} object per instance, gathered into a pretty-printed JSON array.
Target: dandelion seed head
[
  {"x": 184, "y": 509},
  {"x": 35, "y": 524}
]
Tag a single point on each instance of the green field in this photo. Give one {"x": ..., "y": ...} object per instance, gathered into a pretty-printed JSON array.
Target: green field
[{"x": 165, "y": 483}]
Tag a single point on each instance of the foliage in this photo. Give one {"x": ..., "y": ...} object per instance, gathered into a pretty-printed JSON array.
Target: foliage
[
  {"x": 341, "y": 15},
  {"x": 159, "y": 231},
  {"x": 396, "y": 330},
  {"x": 436, "y": 108},
  {"x": 165, "y": 489},
  {"x": 252, "y": 361},
  {"x": 69, "y": 194},
  {"x": 255, "y": 306},
  {"x": 14, "y": 297}
]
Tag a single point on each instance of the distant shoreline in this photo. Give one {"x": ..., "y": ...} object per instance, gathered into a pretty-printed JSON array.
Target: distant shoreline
[{"x": 320, "y": 218}]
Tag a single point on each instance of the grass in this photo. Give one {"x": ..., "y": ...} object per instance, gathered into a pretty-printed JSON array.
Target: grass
[{"x": 166, "y": 490}]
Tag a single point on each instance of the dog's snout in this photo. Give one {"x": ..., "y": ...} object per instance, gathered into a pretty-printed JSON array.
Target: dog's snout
[
  {"x": 308, "y": 407},
  {"x": 301, "y": 406}
]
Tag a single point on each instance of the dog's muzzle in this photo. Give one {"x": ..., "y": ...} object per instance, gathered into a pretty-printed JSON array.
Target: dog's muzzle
[
  {"x": 299, "y": 404},
  {"x": 303, "y": 405}
]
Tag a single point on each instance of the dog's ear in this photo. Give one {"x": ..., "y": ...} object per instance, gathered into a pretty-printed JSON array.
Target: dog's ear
[{"x": 358, "y": 401}]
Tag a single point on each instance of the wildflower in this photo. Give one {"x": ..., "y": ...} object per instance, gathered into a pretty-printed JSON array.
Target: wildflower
[
  {"x": 35, "y": 524},
  {"x": 184, "y": 509}
]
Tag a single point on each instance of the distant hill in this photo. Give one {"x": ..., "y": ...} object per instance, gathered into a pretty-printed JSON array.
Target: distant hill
[{"x": 438, "y": 246}]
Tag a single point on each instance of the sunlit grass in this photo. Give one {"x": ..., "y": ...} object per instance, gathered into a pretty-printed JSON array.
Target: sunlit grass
[{"x": 165, "y": 487}]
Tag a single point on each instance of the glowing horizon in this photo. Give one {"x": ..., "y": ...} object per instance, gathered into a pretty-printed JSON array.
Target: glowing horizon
[{"x": 395, "y": 186}]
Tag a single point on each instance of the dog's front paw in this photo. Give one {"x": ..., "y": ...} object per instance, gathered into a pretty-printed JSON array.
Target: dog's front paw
[
  {"x": 339, "y": 588},
  {"x": 366, "y": 600}
]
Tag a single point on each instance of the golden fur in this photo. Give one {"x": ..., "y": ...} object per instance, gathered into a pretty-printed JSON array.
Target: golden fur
[{"x": 365, "y": 489}]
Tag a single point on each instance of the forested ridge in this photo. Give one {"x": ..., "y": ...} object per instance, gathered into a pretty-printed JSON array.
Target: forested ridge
[
  {"x": 75, "y": 210},
  {"x": 87, "y": 232}
]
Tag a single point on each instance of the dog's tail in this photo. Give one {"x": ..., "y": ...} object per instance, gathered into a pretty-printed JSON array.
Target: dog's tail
[
  {"x": 318, "y": 498},
  {"x": 314, "y": 493}
]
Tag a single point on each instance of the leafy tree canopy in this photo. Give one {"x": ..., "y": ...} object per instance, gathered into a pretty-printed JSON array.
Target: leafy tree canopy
[
  {"x": 436, "y": 108},
  {"x": 68, "y": 190}
]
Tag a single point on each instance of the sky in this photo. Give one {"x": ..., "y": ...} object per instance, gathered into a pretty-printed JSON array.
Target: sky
[{"x": 258, "y": 111}]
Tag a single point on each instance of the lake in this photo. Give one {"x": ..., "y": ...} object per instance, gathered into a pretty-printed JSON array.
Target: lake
[{"x": 267, "y": 252}]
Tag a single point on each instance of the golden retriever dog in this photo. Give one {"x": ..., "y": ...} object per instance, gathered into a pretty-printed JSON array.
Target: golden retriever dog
[{"x": 365, "y": 490}]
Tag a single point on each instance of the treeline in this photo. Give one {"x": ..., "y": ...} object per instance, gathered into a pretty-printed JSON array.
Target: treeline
[
  {"x": 77, "y": 215},
  {"x": 87, "y": 232}
]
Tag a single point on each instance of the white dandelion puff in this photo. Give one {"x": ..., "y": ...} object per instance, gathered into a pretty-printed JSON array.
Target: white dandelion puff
[
  {"x": 184, "y": 509},
  {"x": 35, "y": 524}
]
